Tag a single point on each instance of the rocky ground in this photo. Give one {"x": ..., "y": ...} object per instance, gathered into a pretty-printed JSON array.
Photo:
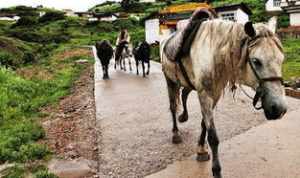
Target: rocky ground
[{"x": 70, "y": 130}]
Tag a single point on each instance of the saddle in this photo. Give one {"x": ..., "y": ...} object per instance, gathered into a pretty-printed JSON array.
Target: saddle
[{"x": 179, "y": 44}]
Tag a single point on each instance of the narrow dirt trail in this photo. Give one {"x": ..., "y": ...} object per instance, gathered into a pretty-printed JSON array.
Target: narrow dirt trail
[{"x": 134, "y": 123}]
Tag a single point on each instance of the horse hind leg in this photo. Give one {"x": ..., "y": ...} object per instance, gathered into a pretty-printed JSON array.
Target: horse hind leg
[
  {"x": 184, "y": 96},
  {"x": 173, "y": 90}
]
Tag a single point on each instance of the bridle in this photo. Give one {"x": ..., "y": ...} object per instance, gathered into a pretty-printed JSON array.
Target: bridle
[{"x": 260, "y": 91}]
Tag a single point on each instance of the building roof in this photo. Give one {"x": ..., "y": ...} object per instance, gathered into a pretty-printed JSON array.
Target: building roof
[
  {"x": 84, "y": 13},
  {"x": 186, "y": 7},
  {"x": 231, "y": 7},
  {"x": 107, "y": 14},
  {"x": 8, "y": 14}
]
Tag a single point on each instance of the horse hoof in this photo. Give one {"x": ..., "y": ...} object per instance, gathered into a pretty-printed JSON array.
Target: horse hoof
[
  {"x": 183, "y": 118},
  {"x": 202, "y": 157},
  {"x": 217, "y": 175},
  {"x": 176, "y": 139}
]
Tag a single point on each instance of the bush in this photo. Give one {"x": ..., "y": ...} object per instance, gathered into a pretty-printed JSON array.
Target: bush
[
  {"x": 33, "y": 152},
  {"x": 8, "y": 60},
  {"x": 15, "y": 172},
  {"x": 128, "y": 24},
  {"x": 40, "y": 37},
  {"x": 283, "y": 20},
  {"x": 44, "y": 174},
  {"x": 26, "y": 21},
  {"x": 51, "y": 16}
]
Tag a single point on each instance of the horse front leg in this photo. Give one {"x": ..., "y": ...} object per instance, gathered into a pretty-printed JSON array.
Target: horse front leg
[
  {"x": 184, "y": 96},
  {"x": 137, "y": 67},
  {"x": 202, "y": 153},
  {"x": 143, "y": 65},
  {"x": 106, "y": 72},
  {"x": 124, "y": 64},
  {"x": 129, "y": 62},
  {"x": 148, "y": 70},
  {"x": 207, "y": 106},
  {"x": 173, "y": 91}
]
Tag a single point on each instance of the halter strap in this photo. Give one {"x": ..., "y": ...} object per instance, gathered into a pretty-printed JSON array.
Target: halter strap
[{"x": 261, "y": 80}]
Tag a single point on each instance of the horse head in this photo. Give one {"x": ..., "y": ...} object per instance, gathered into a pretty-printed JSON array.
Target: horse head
[{"x": 261, "y": 62}]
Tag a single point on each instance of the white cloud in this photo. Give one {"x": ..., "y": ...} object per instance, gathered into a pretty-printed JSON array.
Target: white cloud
[{"x": 77, "y": 5}]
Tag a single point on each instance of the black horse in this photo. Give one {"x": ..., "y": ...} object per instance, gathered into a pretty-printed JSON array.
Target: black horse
[
  {"x": 142, "y": 54},
  {"x": 122, "y": 52},
  {"x": 104, "y": 53}
]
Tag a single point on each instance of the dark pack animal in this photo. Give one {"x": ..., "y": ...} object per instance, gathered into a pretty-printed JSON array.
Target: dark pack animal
[
  {"x": 123, "y": 52},
  {"x": 142, "y": 54},
  {"x": 104, "y": 53}
]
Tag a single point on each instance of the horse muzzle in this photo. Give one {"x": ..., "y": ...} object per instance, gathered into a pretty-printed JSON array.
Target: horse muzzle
[{"x": 274, "y": 105}]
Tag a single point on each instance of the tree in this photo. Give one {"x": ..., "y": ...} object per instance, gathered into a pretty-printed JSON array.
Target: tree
[
  {"x": 206, "y": 1},
  {"x": 126, "y": 4}
]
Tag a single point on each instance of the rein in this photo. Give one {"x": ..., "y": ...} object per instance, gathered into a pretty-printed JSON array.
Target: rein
[{"x": 260, "y": 92}]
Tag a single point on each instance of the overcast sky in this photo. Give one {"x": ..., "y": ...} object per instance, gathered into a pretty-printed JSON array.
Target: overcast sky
[{"x": 77, "y": 5}]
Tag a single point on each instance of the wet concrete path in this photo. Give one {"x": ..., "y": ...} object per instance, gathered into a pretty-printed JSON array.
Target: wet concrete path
[
  {"x": 267, "y": 151},
  {"x": 135, "y": 125}
]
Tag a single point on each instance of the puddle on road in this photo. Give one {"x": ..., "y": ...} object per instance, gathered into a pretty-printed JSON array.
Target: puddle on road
[{"x": 185, "y": 169}]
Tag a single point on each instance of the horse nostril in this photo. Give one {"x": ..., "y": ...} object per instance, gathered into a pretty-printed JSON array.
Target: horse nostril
[{"x": 274, "y": 109}]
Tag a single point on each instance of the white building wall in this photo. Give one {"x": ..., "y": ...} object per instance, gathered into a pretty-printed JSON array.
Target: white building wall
[
  {"x": 295, "y": 19},
  {"x": 220, "y": 14},
  {"x": 109, "y": 19},
  {"x": 152, "y": 31},
  {"x": 241, "y": 16},
  {"x": 147, "y": 0},
  {"x": 270, "y": 6}
]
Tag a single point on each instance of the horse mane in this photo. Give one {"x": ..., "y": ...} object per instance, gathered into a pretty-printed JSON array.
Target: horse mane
[{"x": 226, "y": 38}]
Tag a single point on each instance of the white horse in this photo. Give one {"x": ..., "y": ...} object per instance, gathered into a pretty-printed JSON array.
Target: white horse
[
  {"x": 223, "y": 53},
  {"x": 123, "y": 51}
]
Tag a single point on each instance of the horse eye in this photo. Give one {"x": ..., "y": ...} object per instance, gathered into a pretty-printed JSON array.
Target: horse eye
[{"x": 257, "y": 62}]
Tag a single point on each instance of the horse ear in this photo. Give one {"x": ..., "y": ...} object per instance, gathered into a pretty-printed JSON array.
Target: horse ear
[{"x": 249, "y": 29}]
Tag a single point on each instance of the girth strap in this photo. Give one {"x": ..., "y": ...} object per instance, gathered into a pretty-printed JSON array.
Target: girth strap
[{"x": 185, "y": 75}]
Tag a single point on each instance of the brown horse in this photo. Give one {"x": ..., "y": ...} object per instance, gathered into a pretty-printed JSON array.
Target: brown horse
[{"x": 223, "y": 53}]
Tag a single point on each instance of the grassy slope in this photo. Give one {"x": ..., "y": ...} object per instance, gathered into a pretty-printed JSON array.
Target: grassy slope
[
  {"x": 27, "y": 88},
  {"x": 291, "y": 67}
]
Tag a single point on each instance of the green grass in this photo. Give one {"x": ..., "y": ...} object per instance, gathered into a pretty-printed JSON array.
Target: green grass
[
  {"x": 291, "y": 66},
  {"x": 21, "y": 100}
]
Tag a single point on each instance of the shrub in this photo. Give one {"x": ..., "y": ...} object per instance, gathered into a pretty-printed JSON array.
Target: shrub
[
  {"x": 283, "y": 20},
  {"x": 44, "y": 174},
  {"x": 15, "y": 172},
  {"x": 51, "y": 16},
  {"x": 8, "y": 60},
  {"x": 33, "y": 152},
  {"x": 26, "y": 21},
  {"x": 40, "y": 37},
  {"x": 121, "y": 24}
]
